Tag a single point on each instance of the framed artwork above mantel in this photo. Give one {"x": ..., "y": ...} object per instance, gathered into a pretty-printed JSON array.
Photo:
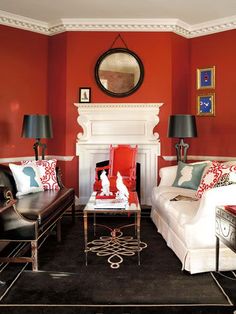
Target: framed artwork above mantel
[{"x": 85, "y": 95}]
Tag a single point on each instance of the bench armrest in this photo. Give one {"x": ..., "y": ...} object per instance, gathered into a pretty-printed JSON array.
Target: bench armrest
[
  {"x": 59, "y": 177},
  {"x": 5, "y": 194},
  {"x": 14, "y": 226}
]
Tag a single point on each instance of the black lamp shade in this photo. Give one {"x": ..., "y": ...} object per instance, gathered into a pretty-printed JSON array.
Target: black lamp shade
[
  {"x": 37, "y": 126},
  {"x": 182, "y": 126}
]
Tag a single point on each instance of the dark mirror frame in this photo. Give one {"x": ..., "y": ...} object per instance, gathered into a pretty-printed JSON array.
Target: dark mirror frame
[{"x": 110, "y": 52}]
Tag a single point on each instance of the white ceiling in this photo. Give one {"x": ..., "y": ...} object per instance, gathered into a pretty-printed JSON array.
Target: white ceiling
[
  {"x": 189, "y": 11},
  {"x": 188, "y": 14}
]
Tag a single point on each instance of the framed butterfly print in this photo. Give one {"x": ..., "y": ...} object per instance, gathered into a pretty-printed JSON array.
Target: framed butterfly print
[{"x": 206, "y": 105}]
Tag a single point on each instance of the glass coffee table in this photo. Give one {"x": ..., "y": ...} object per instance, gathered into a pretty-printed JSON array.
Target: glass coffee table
[{"x": 115, "y": 245}]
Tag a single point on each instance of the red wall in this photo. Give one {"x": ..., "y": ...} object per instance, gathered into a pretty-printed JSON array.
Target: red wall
[
  {"x": 161, "y": 54},
  {"x": 180, "y": 82},
  {"x": 57, "y": 92},
  {"x": 23, "y": 81},
  {"x": 216, "y": 134},
  {"x": 57, "y": 58},
  {"x": 84, "y": 48},
  {"x": 41, "y": 74}
]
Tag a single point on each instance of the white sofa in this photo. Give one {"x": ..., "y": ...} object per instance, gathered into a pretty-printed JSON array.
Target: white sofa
[{"x": 188, "y": 226}]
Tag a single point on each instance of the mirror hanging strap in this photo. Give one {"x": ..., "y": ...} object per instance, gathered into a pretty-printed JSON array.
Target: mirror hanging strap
[{"x": 119, "y": 37}]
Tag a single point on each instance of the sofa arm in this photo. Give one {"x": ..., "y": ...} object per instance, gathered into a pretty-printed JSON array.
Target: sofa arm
[
  {"x": 201, "y": 229},
  {"x": 167, "y": 175},
  {"x": 223, "y": 195}
]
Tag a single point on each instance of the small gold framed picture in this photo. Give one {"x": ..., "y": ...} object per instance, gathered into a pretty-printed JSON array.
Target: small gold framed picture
[
  {"x": 206, "y": 78},
  {"x": 206, "y": 105}
]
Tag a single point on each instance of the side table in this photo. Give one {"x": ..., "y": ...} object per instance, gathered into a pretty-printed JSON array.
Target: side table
[{"x": 225, "y": 230}]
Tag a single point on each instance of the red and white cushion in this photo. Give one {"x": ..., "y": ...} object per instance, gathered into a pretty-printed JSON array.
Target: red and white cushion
[
  {"x": 47, "y": 172},
  {"x": 212, "y": 176}
]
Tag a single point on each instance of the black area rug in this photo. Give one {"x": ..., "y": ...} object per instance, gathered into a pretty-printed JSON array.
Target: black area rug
[
  {"x": 158, "y": 285},
  {"x": 227, "y": 282}
]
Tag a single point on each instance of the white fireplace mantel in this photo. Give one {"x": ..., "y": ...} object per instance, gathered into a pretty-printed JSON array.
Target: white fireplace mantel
[{"x": 117, "y": 123}]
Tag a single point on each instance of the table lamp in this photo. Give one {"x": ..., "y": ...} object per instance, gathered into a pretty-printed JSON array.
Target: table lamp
[
  {"x": 182, "y": 126},
  {"x": 37, "y": 126}
]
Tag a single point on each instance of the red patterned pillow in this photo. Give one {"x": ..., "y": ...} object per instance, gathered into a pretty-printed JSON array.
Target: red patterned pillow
[
  {"x": 212, "y": 176},
  {"x": 47, "y": 172}
]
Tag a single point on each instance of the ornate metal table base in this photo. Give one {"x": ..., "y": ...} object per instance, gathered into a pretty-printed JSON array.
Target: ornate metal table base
[{"x": 115, "y": 246}]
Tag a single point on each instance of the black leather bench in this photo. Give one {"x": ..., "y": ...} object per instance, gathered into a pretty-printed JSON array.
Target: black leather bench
[{"x": 32, "y": 217}]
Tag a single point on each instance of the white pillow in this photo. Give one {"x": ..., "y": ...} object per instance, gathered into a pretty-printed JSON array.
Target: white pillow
[
  {"x": 27, "y": 179},
  {"x": 47, "y": 172}
]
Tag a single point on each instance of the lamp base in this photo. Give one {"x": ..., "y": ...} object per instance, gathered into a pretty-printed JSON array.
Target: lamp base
[
  {"x": 36, "y": 147},
  {"x": 181, "y": 150}
]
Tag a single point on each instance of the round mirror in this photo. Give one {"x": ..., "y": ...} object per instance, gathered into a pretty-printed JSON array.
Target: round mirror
[{"x": 119, "y": 72}]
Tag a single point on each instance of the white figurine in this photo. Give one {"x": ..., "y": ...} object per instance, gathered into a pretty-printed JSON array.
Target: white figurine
[
  {"x": 123, "y": 193},
  {"x": 105, "y": 184}
]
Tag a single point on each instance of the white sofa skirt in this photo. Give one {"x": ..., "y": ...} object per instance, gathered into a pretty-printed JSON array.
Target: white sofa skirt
[{"x": 193, "y": 260}]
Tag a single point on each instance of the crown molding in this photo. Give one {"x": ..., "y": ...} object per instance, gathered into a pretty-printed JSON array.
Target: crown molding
[
  {"x": 22, "y": 22},
  {"x": 145, "y": 25},
  {"x": 138, "y": 25},
  {"x": 215, "y": 26}
]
